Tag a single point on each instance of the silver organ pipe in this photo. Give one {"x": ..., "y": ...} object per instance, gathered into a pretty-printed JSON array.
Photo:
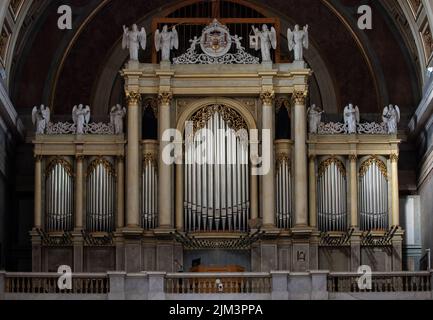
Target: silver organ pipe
[
  {"x": 373, "y": 195},
  {"x": 149, "y": 201},
  {"x": 331, "y": 191},
  {"x": 216, "y": 196},
  {"x": 59, "y": 196},
  {"x": 283, "y": 192},
  {"x": 101, "y": 194}
]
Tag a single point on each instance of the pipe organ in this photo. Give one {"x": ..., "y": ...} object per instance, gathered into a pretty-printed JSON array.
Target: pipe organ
[
  {"x": 331, "y": 190},
  {"x": 59, "y": 191},
  {"x": 216, "y": 186},
  {"x": 373, "y": 194},
  {"x": 284, "y": 192},
  {"x": 215, "y": 192},
  {"x": 149, "y": 196},
  {"x": 101, "y": 195}
]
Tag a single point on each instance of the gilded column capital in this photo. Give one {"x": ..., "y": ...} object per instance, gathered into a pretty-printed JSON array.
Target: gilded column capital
[
  {"x": 120, "y": 158},
  {"x": 165, "y": 97},
  {"x": 133, "y": 97},
  {"x": 281, "y": 158},
  {"x": 79, "y": 157},
  {"x": 353, "y": 157},
  {"x": 394, "y": 157},
  {"x": 299, "y": 97},
  {"x": 312, "y": 158},
  {"x": 267, "y": 97},
  {"x": 38, "y": 157}
]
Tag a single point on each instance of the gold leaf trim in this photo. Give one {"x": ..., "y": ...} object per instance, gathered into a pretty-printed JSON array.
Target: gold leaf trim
[
  {"x": 101, "y": 160},
  {"x": 369, "y": 162},
  {"x": 60, "y": 161},
  {"x": 333, "y": 160},
  {"x": 233, "y": 119}
]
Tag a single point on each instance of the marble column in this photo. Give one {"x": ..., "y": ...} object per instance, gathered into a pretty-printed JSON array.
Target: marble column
[
  {"x": 353, "y": 193},
  {"x": 165, "y": 174},
  {"x": 313, "y": 193},
  {"x": 133, "y": 162},
  {"x": 38, "y": 192},
  {"x": 268, "y": 180},
  {"x": 395, "y": 191},
  {"x": 254, "y": 193},
  {"x": 120, "y": 221},
  {"x": 300, "y": 154},
  {"x": 179, "y": 188},
  {"x": 79, "y": 194}
]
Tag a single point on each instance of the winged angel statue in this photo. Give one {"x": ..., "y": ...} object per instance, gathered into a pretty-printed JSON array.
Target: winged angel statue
[
  {"x": 132, "y": 40},
  {"x": 41, "y": 118},
  {"x": 117, "y": 114},
  {"x": 265, "y": 40},
  {"x": 166, "y": 41},
  {"x": 81, "y": 117},
  {"x": 298, "y": 40},
  {"x": 351, "y": 118},
  {"x": 391, "y": 116}
]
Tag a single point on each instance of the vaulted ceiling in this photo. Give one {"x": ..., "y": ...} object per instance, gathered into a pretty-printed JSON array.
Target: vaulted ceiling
[{"x": 62, "y": 68}]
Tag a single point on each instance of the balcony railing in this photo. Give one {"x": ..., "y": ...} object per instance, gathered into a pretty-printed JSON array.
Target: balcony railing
[
  {"x": 381, "y": 282},
  {"x": 34, "y": 283},
  {"x": 177, "y": 286},
  {"x": 223, "y": 283}
]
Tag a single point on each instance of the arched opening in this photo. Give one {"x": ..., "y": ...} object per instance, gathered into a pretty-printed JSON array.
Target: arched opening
[{"x": 216, "y": 171}]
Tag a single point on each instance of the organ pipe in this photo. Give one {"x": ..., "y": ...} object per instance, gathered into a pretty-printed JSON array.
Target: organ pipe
[
  {"x": 283, "y": 192},
  {"x": 216, "y": 196},
  {"x": 373, "y": 195},
  {"x": 331, "y": 190},
  {"x": 101, "y": 190},
  {"x": 59, "y": 196},
  {"x": 149, "y": 196}
]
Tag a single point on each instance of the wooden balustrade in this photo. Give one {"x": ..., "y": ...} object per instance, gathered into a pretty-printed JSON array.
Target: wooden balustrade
[{"x": 381, "y": 282}]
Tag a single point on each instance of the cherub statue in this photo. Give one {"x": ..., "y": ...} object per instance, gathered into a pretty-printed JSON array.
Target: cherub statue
[
  {"x": 81, "y": 117},
  {"x": 117, "y": 114},
  {"x": 166, "y": 41},
  {"x": 132, "y": 40},
  {"x": 391, "y": 116},
  {"x": 265, "y": 40},
  {"x": 238, "y": 43},
  {"x": 194, "y": 42},
  {"x": 298, "y": 40},
  {"x": 314, "y": 118},
  {"x": 41, "y": 118},
  {"x": 351, "y": 118}
]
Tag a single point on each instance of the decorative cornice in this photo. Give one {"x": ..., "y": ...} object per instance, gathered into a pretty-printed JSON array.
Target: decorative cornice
[
  {"x": 165, "y": 97},
  {"x": 133, "y": 97},
  {"x": 299, "y": 97},
  {"x": 267, "y": 97}
]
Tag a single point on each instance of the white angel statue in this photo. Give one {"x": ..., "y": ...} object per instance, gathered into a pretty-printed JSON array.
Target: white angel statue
[
  {"x": 314, "y": 118},
  {"x": 265, "y": 40},
  {"x": 41, "y": 118},
  {"x": 132, "y": 40},
  {"x": 351, "y": 118},
  {"x": 81, "y": 117},
  {"x": 298, "y": 40},
  {"x": 117, "y": 114},
  {"x": 391, "y": 116},
  {"x": 166, "y": 41}
]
